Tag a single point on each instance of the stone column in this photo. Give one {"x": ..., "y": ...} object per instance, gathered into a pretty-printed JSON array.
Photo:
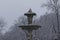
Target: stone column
[{"x": 29, "y": 35}]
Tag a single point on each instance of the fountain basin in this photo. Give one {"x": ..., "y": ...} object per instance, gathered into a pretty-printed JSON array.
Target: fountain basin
[{"x": 30, "y": 27}]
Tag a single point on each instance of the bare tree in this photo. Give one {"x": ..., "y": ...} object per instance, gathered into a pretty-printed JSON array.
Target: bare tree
[
  {"x": 2, "y": 23},
  {"x": 54, "y": 6}
]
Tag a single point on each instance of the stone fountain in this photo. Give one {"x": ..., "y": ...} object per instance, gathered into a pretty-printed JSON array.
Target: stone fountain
[{"x": 30, "y": 27}]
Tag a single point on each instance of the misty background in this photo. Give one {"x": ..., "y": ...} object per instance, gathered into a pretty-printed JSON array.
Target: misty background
[
  {"x": 12, "y": 16},
  {"x": 10, "y": 10}
]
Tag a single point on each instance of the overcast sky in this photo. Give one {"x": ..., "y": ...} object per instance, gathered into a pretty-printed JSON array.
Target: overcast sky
[{"x": 12, "y": 9}]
